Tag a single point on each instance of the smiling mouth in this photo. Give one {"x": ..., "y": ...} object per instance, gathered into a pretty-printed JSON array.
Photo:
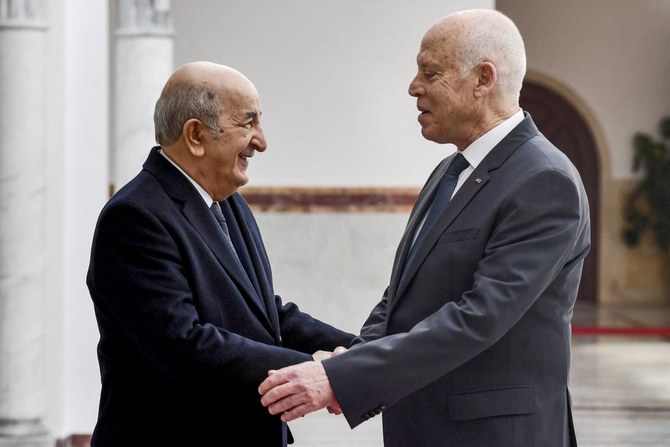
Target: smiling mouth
[{"x": 246, "y": 157}]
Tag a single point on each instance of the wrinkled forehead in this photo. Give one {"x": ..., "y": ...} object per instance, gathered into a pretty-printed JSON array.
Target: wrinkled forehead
[
  {"x": 240, "y": 100},
  {"x": 439, "y": 45}
]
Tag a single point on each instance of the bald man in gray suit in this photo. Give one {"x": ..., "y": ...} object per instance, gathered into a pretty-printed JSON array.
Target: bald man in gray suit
[{"x": 470, "y": 344}]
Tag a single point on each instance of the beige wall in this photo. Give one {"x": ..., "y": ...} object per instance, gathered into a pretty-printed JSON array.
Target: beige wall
[
  {"x": 629, "y": 275},
  {"x": 612, "y": 53},
  {"x": 332, "y": 77},
  {"x": 608, "y": 58}
]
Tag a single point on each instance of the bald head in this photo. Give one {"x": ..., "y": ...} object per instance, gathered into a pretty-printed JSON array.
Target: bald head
[
  {"x": 208, "y": 123},
  {"x": 215, "y": 77},
  {"x": 478, "y": 35},
  {"x": 196, "y": 90},
  {"x": 470, "y": 68}
]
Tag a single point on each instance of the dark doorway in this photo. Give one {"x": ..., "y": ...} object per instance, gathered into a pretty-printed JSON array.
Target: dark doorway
[{"x": 563, "y": 125}]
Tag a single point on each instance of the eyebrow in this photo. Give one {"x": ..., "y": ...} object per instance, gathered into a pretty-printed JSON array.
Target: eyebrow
[{"x": 251, "y": 115}]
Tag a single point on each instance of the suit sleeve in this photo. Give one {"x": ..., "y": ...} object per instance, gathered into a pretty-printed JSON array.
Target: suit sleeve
[
  {"x": 375, "y": 325},
  {"x": 299, "y": 330},
  {"x": 532, "y": 240}
]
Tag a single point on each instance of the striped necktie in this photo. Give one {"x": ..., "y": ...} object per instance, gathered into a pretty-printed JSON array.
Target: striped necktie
[{"x": 216, "y": 210}]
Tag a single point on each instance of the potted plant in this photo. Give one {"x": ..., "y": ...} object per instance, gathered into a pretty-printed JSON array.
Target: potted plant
[{"x": 647, "y": 208}]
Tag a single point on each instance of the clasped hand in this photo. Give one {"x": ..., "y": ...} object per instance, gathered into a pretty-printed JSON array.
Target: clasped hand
[{"x": 297, "y": 390}]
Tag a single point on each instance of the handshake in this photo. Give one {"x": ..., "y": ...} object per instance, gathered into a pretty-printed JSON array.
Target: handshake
[{"x": 299, "y": 389}]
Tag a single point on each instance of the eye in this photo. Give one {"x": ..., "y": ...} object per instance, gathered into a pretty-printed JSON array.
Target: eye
[{"x": 430, "y": 73}]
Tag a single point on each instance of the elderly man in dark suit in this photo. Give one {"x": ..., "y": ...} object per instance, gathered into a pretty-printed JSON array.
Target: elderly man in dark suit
[
  {"x": 188, "y": 318},
  {"x": 470, "y": 344}
]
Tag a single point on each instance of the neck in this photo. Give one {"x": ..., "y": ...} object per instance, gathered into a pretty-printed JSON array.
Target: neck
[{"x": 486, "y": 123}]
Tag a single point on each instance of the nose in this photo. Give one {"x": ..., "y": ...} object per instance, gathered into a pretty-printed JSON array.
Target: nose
[
  {"x": 259, "y": 142},
  {"x": 415, "y": 88}
]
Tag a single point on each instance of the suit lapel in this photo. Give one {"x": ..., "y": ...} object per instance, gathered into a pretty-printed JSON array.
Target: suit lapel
[
  {"x": 202, "y": 220},
  {"x": 419, "y": 209},
  {"x": 471, "y": 187},
  {"x": 252, "y": 259},
  {"x": 462, "y": 197},
  {"x": 204, "y": 223}
]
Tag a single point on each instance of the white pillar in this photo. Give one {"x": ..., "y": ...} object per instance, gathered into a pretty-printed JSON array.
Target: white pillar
[
  {"x": 23, "y": 34},
  {"x": 143, "y": 61}
]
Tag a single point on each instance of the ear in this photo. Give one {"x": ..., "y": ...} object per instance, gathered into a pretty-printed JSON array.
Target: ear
[
  {"x": 193, "y": 132},
  {"x": 487, "y": 75}
]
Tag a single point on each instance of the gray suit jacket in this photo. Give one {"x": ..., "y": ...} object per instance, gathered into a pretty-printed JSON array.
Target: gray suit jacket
[{"x": 472, "y": 346}]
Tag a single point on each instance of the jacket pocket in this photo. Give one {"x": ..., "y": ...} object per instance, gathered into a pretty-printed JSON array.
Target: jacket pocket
[
  {"x": 458, "y": 235},
  {"x": 508, "y": 401}
]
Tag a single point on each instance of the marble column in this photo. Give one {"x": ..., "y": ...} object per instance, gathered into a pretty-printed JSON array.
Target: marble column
[
  {"x": 23, "y": 38},
  {"x": 143, "y": 62}
]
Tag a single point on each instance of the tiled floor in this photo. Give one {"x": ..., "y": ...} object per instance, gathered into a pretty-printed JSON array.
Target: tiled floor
[{"x": 620, "y": 388}]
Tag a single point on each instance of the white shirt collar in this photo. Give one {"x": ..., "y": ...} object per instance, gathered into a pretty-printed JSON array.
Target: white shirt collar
[
  {"x": 206, "y": 197},
  {"x": 480, "y": 148}
]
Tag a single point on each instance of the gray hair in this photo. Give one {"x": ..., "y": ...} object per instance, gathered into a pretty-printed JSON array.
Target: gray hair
[
  {"x": 180, "y": 102},
  {"x": 496, "y": 39}
]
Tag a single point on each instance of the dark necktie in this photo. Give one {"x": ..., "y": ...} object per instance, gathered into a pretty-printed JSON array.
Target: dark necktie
[
  {"x": 440, "y": 200},
  {"x": 247, "y": 266},
  {"x": 216, "y": 210}
]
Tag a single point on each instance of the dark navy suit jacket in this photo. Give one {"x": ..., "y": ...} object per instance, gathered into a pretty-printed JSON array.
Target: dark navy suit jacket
[{"x": 187, "y": 332}]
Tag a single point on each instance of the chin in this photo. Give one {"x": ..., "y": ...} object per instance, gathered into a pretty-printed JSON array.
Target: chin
[
  {"x": 242, "y": 181},
  {"x": 427, "y": 135},
  {"x": 435, "y": 138}
]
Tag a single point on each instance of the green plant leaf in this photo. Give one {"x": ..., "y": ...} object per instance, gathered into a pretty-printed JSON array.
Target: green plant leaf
[
  {"x": 647, "y": 208},
  {"x": 665, "y": 127}
]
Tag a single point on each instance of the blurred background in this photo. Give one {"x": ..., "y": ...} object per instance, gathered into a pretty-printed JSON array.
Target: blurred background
[{"x": 345, "y": 160}]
